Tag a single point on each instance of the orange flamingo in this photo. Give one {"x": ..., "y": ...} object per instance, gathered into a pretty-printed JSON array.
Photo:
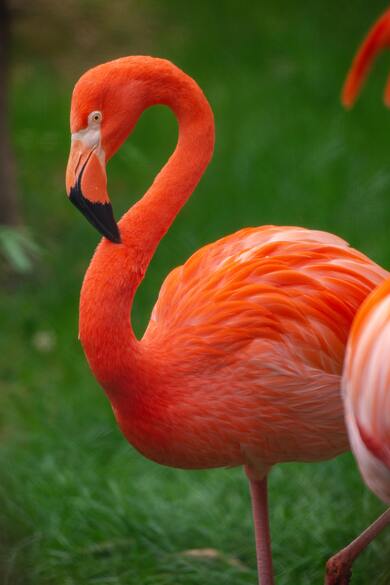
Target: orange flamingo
[
  {"x": 366, "y": 375},
  {"x": 241, "y": 361}
]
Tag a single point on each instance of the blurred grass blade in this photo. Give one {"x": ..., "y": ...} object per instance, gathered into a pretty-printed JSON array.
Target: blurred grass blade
[{"x": 18, "y": 248}]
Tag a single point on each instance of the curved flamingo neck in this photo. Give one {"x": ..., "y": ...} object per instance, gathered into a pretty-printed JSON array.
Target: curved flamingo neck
[
  {"x": 149, "y": 219},
  {"x": 116, "y": 270}
]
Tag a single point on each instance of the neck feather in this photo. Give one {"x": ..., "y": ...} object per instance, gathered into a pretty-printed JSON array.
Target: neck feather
[{"x": 116, "y": 270}]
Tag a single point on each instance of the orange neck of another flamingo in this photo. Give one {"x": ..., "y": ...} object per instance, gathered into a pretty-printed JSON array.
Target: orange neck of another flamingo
[
  {"x": 116, "y": 270},
  {"x": 376, "y": 40}
]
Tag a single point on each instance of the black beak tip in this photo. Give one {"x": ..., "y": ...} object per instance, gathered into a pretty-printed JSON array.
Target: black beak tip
[
  {"x": 115, "y": 238},
  {"x": 100, "y": 215}
]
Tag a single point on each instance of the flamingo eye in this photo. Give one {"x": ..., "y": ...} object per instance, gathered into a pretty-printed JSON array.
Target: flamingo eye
[{"x": 95, "y": 117}]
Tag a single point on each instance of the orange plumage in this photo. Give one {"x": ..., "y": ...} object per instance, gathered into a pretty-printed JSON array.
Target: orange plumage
[
  {"x": 253, "y": 329},
  {"x": 366, "y": 382},
  {"x": 241, "y": 361}
]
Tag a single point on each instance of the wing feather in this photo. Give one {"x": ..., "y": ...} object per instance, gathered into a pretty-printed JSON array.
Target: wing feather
[{"x": 287, "y": 284}]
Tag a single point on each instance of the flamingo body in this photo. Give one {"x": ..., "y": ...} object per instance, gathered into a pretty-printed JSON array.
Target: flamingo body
[
  {"x": 241, "y": 360},
  {"x": 366, "y": 382}
]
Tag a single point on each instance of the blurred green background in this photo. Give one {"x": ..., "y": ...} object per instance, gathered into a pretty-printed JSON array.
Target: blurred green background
[{"x": 78, "y": 506}]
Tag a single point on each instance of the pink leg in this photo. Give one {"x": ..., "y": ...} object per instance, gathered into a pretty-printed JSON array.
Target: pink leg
[
  {"x": 258, "y": 490},
  {"x": 338, "y": 568}
]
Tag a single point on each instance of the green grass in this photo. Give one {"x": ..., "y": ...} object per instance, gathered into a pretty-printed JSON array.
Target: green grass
[{"x": 78, "y": 506}]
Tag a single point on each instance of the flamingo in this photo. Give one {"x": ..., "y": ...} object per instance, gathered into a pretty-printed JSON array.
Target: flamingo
[
  {"x": 366, "y": 384},
  {"x": 240, "y": 364},
  {"x": 366, "y": 374}
]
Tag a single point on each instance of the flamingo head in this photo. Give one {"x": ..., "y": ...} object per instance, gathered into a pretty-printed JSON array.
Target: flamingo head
[
  {"x": 376, "y": 40},
  {"x": 106, "y": 104}
]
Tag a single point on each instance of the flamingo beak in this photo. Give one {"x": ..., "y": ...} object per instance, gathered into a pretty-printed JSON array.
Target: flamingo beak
[{"x": 86, "y": 186}]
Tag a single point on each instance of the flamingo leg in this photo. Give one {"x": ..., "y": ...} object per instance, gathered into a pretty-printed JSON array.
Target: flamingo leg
[
  {"x": 338, "y": 567},
  {"x": 259, "y": 496}
]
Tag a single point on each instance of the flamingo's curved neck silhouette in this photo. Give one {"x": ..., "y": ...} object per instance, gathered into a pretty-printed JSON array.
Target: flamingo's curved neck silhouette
[{"x": 117, "y": 270}]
